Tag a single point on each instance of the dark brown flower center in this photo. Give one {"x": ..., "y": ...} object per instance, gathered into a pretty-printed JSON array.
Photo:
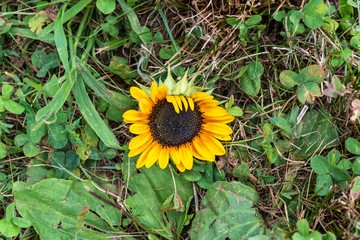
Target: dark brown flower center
[{"x": 170, "y": 128}]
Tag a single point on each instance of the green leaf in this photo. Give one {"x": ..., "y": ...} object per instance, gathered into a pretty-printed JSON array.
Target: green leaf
[
  {"x": 62, "y": 209},
  {"x": 192, "y": 175},
  {"x": 308, "y": 91},
  {"x": 323, "y": 184},
  {"x": 303, "y": 227},
  {"x": 142, "y": 35},
  {"x": 57, "y": 136},
  {"x": 38, "y": 59},
  {"x": 7, "y": 91},
  {"x": 290, "y": 79},
  {"x": 105, "y": 6},
  {"x": 21, "y": 139},
  {"x": 315, "y": 132},
  {"x": 72, "y": 160},
  {"x": 236, "y": 111},
  {"x": 353, "y": 146},
  {"x": 8, "y": 229},
  {"x": 3, "y": 151},
  {"x": 313, "y": 73},
  {"x": 356, "y": 166},
  {"x": 340, "y": 176},
  {"x": 228, "y": 212},
  {"x": 31, "y": 150},
  {"x": 345, "y": 8},
  {"x": 313, "y": 19},
  {"x": 36, "y": 22},
  {"x": 14, "y": 107},
  {"x": 114, "y": 114},
  {"x": 92, "y": 117},
  {"x": 242, "y": 172},
  {"x": 153, "y": 186},
  {"x": 250, "y": 81},
  {"x": 253, "y": 20},
  {"x": 35, "y": 136},
  {"x": 346, "y": 165},
  {"x": 281, "y": 123}
]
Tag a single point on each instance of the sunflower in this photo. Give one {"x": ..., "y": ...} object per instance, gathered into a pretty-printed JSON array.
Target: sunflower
[{"x": 177, "y": 120}]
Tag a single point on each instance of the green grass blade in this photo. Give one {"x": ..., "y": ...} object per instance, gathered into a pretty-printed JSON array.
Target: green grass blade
[
  {"x": 56, "y": 103},
  {"x": 26, "y": 33},
  {"x": 60, "y": 40},
  {"x": 69, "y": 14},
  {"x": 92, "y": 117},
  {"x": 100, "y": 89},
  {"x": 133, "y": 19}
]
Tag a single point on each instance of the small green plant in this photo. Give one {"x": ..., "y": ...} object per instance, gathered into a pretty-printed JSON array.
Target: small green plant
[
  {"x": 6, "y": 103},
  {"x": 245, "y": 28},
  {"x": 304, "y": 232},
  {"x": 307, "y": 80}
]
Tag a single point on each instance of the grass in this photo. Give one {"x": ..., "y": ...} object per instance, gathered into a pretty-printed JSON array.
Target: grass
[{"x": 66, "y": 70}]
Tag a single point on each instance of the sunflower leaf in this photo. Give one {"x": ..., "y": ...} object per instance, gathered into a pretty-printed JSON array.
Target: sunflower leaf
[
  {"x": 228, "y": 212},
  {"x": 153, "y": 191}
]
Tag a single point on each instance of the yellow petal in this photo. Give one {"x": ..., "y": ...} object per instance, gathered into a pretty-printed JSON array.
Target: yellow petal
[
  {"x": 218, "y": 128},
  {"x": 180, "y": 167},
  {"x": 137, "y": 128},
  {"x": 191, "y": 103},
  {"x": 178, "y": 101},
  {"x": 187, "y": 157},
  {"x": 201, "y": 96},
  {"x": 143, "y": 157},
  {"x": 213, "y": 144},
  {"x": 184, "y": 101},
  {"x": 145, "y": 106},
  {"x": 222, "y": 137},
  {"x": 153, "y": 91},
  {"x": 203, "y": 150},
  {"x": 222, "y": 119},
  {"x": 161, "y": 92},
  {"x": 138, "y": 94},
  {"x": 175, "y": 155},
  {"x": 132, "y": 116},
  {"x": 208, "y": 103},
  {"x": 171, "y": 99},
  {"x": 153, "y": 155},
  {"x": 164, "y": 157},
  {"x": 140, "y": 140},
  {"x": 213, "y": 111},
  {"x": 140, "y": 149}
]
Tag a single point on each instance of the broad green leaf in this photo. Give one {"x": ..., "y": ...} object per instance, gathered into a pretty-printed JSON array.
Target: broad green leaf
[
  {"x": 192, "y": 176},
  {"x": 320, "y": 164},
  {"x": 34, "y": 136},
  {"x": 92, "y": 117},
  {"x": 62, "y": 209},
  {"x": 14, "y": 107},
  {"x": 340, "y": 176},
  {"x": 57, "y": 136},
  {"x": 308, "y": 91},
  {"x": 72, "y": 160},
  {"x": 21, "y": 139},
  {"x": 143, "y": 35},
  {"x": 253, "y": 20},
  {"x": 7, "y": 91},
  {"x": 295, "y": 17},
  {"x": 51, "y": 60},
  {"x": 303, "y": 227},
  {"x": 228, "y": 211},
  {"x": 345, "y": 8},
  {"x": 356, "y": 166},
  {"x": 250, "y": 81},
  {"x": 323, "y": 184},
  {"x": 353, "y": 146},
  {"x": 315, "y": 132},
  {"x": 289, "y": 78},
  {"x": 236, "y": 111},
  {"x": 313, "y": 73},
  {"x": 8, "y": 229},
  {"x": 36, "y": 22},
  {"x": 27, "y": 33},
  {"x": 242, "y": 172},
  {"x": 31, "y": 149},
  {"x": 38, "y": 59},
  {"x": 313, "y": 19},
  {"x": 281, "y": 123},
  {"x": 153, "y": 186},
  {"x": 333, "y": 157},
  {"x": 105, "y": 6},
  {"x": 346, "y": 165},
  {"x": 3, "y": 150}
]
